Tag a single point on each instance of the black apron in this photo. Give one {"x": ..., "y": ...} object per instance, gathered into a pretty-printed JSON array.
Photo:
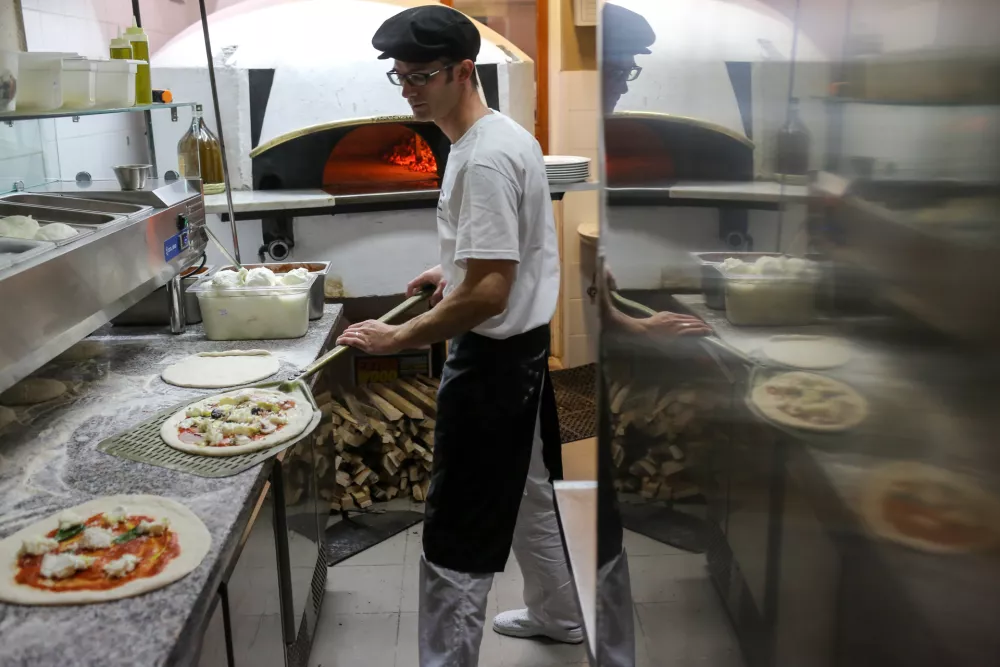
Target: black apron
[{"x": 487, "y": 404}]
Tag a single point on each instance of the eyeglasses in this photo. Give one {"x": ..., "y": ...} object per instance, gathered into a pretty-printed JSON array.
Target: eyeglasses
[
  {"x": 629, "y": 74},
  {"x": 417, "y": 79}
]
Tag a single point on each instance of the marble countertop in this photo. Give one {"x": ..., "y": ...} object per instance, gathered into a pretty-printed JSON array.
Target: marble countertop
[
  {"x": 49, "y": 461},
  {"x": 250, "y": 201}
]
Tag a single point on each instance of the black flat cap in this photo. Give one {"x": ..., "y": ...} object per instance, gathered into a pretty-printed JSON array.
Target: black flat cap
[
  {"x": 625, "y": 32},
  {"x": 423, "y": 34}
]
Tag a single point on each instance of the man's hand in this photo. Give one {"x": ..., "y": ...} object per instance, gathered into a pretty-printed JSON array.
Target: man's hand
[
  {"x": 671, "y": 324},
  {"x": 371, "y": 336},
  {"x": 434, "y": 277}
]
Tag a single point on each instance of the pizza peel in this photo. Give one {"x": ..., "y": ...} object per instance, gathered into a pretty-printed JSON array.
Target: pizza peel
[{"x": 143, "y": 443}]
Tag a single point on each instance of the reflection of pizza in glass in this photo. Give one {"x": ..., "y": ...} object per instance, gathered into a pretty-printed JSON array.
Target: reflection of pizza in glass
[
  {"x": 930, "y": 509},
  {"x": 810, "y": 402}
]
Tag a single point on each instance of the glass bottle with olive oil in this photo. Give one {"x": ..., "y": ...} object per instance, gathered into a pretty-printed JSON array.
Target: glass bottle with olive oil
[{"x": 200, "y": 155}]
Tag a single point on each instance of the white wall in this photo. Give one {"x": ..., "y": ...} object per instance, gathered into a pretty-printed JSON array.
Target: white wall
[{"x": 374, "y": 254}]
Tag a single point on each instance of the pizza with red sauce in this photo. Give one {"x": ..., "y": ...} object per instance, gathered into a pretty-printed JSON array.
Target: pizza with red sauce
[
  {"x": 103, "y": 550},
  {"x": 237, "y": 422}
]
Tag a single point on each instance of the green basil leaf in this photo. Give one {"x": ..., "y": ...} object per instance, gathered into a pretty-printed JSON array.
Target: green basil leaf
[
  {"x": 128, "y": 536},
  {"x": 67, "y": 533}
]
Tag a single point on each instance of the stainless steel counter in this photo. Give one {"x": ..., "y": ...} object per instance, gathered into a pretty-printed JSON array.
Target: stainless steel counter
[{"x": 48, "y": 461}]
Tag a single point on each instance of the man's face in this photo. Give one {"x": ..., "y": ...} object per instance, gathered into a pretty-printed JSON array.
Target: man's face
[
  {"x": 616, "y": 72},
  {"x": 439, "y": 93}
]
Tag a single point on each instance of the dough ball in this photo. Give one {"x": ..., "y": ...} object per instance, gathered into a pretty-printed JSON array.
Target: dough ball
[
  {"x": 85, "y": 349},
  {"x": 18, "y": 227},
  {"x": 55, "y": 231},
  {"x": 32, "y": 391},
  {"x": 7, "y": 417}
]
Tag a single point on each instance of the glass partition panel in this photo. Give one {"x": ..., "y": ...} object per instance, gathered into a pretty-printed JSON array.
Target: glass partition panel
[{"x": 797, "y": 352}]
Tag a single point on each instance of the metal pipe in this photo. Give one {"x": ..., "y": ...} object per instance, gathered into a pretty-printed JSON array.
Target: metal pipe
[
  {"x": 175, "y": 297},
  {"x": 218, "y": 127}
]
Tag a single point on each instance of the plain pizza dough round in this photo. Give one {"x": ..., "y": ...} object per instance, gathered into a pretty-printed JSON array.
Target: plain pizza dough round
[
  {"x": 298, "y": 419},
  {"x": 985, "y": 505},
  {"x": 33, "y": 390},
  {"x": 212, "y": 370},
  {"x": 193, "y": 536},
  {"x": 768, "y": 405},
  {"x": 811, "y": 352}
]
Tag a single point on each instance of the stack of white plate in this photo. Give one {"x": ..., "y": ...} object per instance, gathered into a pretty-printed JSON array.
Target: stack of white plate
[{"x": 567, "y": 168}]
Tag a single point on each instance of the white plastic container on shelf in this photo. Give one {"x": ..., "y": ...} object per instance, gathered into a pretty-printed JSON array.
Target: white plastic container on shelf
[
  {"x": 254, "y": 313},
  {"x": 40, "y": 84},
  {"x": 79, "y": 83},
  {"x": 116, "y": 83},
  {"x": 8, "y": 80}
]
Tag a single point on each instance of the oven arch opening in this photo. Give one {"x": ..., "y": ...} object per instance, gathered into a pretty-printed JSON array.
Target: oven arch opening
[{"x": 360, "y": 156}]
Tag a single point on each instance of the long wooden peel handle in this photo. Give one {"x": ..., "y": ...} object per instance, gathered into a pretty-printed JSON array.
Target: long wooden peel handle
[
  {"x": 413, "y": 301},
  {"x": 713, "y": 340}
]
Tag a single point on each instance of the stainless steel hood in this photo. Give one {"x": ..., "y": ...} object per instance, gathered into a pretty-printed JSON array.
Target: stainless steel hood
[{"x": 54, "y": 298}]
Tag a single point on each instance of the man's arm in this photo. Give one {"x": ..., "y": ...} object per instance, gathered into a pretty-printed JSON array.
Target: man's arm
[{"x": 481, "y": 295}]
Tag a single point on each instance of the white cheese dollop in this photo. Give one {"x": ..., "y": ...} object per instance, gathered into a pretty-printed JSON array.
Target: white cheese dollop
[
  {"x": 60, "y": 566},
  {"x": 122, "y": 566},
  {"x": 96, "y": 538},
  {"x": 295, "y": 276},
  {"x": 67, "y": 520},
  {"x": 115, "y": 516},
  {"x": 36, "y": 546},
  {"x": 153, "y": 527},
  {"x": 260, "y": 277},
  {"x": 227, "y": 278}
]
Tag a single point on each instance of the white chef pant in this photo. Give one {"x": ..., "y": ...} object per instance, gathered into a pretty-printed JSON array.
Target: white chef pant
[
  {"x": 616, "y": 625},
  {"x": 453, "y": 604}
]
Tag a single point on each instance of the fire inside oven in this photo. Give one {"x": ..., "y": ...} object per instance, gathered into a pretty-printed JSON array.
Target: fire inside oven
[
  {"x": 355, "y": 159},
  {"x": 657, "y": 149}
]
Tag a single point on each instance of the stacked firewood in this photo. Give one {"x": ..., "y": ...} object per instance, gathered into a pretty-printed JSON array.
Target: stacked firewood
[
  {"x": 376, "y": 443},
  {"x": 660, "y": 437}
]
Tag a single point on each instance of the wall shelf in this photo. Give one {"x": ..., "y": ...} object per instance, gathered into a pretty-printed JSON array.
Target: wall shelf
[{"x": 11, "y": 116}]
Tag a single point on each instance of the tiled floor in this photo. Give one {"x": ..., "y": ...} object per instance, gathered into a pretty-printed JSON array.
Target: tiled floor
[{"x": 369, "y": 614}]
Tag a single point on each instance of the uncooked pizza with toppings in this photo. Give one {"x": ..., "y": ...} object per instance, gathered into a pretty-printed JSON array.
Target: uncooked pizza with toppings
[
  {"x": 810, "y": 402},
  {"x": 930, "y": 509},
  {"x": 237, "y": 422},
  {"x": 106, "y": 549}
]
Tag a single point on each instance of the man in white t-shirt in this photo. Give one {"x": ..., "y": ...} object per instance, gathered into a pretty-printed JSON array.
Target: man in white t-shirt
[{"x": 497, "y": 435}]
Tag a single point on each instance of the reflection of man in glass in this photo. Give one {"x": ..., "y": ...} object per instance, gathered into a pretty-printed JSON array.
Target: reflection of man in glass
[{"x": 626, "y": 35}]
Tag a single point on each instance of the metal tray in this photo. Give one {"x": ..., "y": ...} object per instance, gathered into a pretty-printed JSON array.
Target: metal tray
[
  {"x": 317, "y": 296},
  {"x": 13, "y": 251},
  {"x": 144, "y": 444},
  {"x": 67, "y": 216},
  {"x": 154, "y": 310},
  {"x": 75, "y": 203}
]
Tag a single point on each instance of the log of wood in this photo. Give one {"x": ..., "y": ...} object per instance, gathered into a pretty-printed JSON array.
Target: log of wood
[
  {"x": 409, "y": 445},
  {"x": 392, "y": 492},
  {"x": 413, "y": 472},
  {"x": 355, "y": 407},
  {"x": 418, "y": 493},
  {"x": 404, "y": 483},
  {"x": 343, "y": 478},
  {"x": 389, "y": 466},
  {"x": 676, "y": 452},
  {"x": 350, "y": 437},
  {"x": 428, "y": 424},
  {"x": 326, "y": 409},
  {"x": 361, "y": 479},
  {"x": 384, "y": 406},
  {"x": 669, "y": 468},
  {"x": 398, "y": 402},
  {"x": 324, "y": 397},
  {"x": 419, "y": 397},
  {"x": 429, "y": 390},
  {"x": 413, "y": 428},
  {"x": 344, "y": 413},
  {"x": 428, "y": 437}
]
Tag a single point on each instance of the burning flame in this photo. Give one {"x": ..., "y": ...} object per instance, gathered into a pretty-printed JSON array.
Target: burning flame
[{"x": 414, "y": 154}]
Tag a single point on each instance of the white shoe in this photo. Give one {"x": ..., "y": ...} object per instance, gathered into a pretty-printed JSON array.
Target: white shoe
[{"x": 515, "y": 623}]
